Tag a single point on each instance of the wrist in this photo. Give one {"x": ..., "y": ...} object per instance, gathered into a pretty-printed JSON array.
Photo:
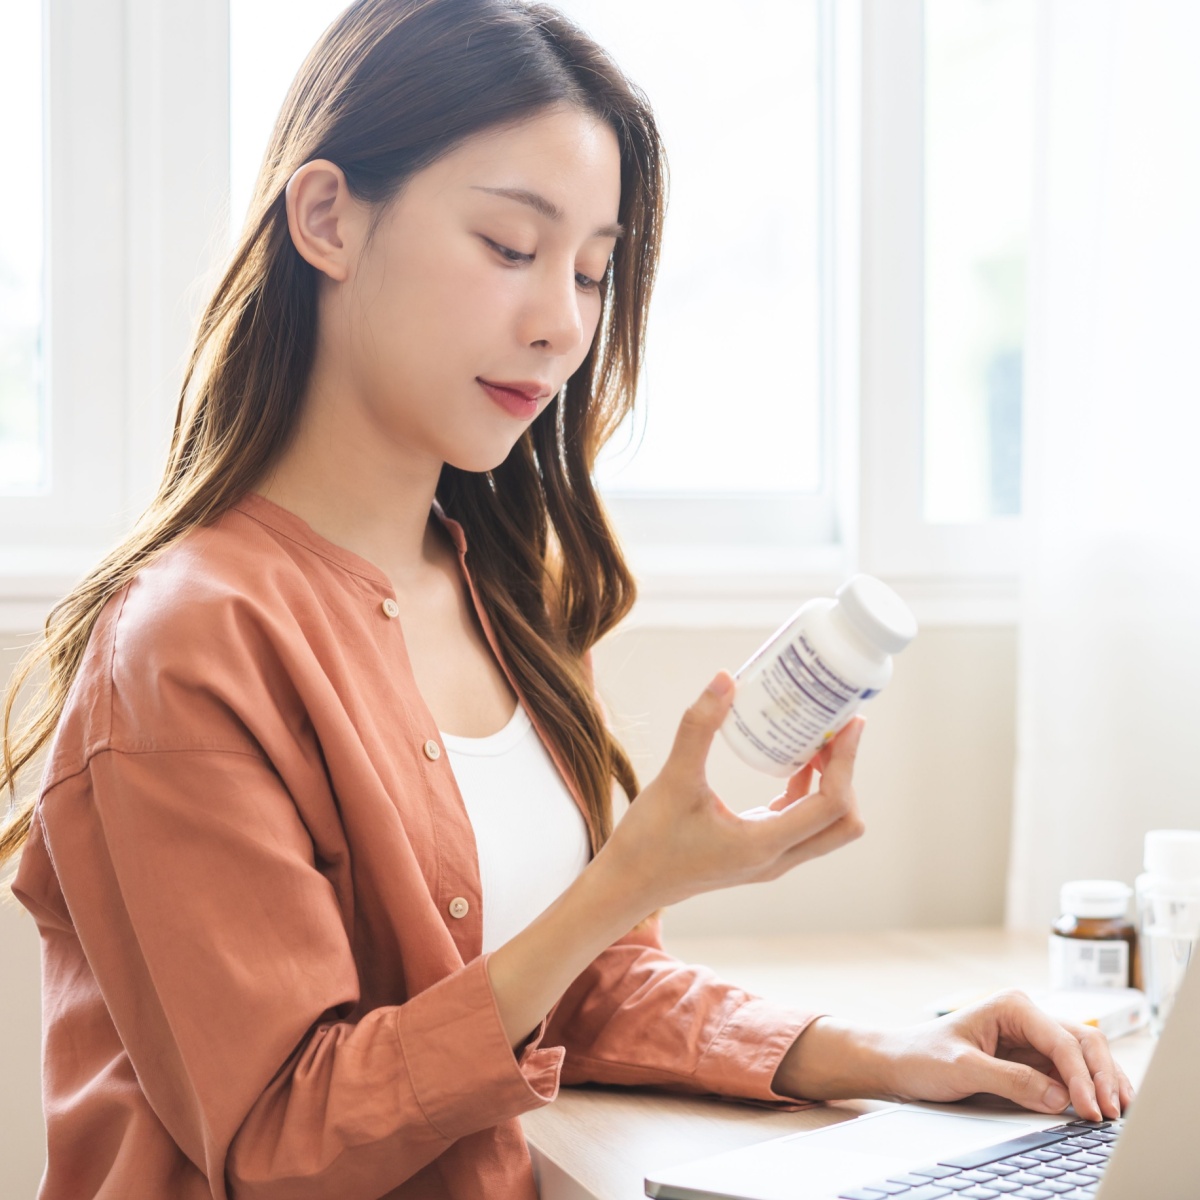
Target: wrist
[
  {"x": 616, "y": 875},
  {"x": 836, "y": 1060},
  {"x": 530, "y": 972}
]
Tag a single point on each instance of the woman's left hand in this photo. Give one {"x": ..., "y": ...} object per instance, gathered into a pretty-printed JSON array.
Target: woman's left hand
[{"x": 1004, "y": 1045}]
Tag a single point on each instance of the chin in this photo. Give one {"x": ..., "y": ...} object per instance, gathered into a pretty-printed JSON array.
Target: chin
[{"x": 478, "y": 459}]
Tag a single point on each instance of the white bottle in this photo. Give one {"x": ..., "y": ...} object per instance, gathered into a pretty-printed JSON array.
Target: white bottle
[
  {"x": 1168, "y": 903},
  {"x": 810, "y": 677}
]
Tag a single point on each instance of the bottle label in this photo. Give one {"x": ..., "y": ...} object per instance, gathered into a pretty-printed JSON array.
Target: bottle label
[
  {"x": 1082, "y": 963},
  {"x": 797, "y": 703}
]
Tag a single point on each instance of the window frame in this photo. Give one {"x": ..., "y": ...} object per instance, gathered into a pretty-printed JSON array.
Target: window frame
[
  {"x": 144, "y": 88},
  {"x": 133, "y": 176},
  {"x": 729, "y": 533},
  {"x": 777, "y": 559},
  {"x": 50, "y": 533},
  {"x": 873, "y": 362},
  {"x": 980, "y": 557}
]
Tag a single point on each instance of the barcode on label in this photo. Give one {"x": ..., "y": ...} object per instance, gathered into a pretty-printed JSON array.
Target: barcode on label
[
  {"x": 1086, "y": 963},
  {"x": 1108, "y": 960}
]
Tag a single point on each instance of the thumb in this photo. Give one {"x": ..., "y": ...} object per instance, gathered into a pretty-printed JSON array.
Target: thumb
[
  {"x": 700, "y": 722},
  {"x": 1016, "y": 1081}
]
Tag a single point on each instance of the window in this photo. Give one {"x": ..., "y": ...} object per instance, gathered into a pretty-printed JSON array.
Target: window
[
  {"x": 63, "y": 336},
  {"x": 978, "y": 183},
  {"x": 265, "y": 53},
  {"x": 808, "y": 400},
  {"x": 734, "y": 345},
  {"x": 732, "y": 438},
  {"x": 947, "y": 175},
  {"x": 22, "y": 361},
  {"x": 128, "y": 204},
  {"x": 731, "y": 441}
]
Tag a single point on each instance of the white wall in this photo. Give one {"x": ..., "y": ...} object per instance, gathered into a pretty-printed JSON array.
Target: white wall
[
  {"x": 22, "y": 1130},
  {"x": 934, "y": 779}
]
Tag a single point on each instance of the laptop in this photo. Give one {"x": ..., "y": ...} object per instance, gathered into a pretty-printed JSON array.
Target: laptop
[{"x": 940, "y": 1152}]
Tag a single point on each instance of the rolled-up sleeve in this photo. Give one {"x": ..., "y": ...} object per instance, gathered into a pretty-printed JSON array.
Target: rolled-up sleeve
[
  {"x": 637, "y": 1016},
  {"x": 223, "y": 958}
]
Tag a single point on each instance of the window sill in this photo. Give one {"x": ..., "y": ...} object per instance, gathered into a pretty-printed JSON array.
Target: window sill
[
  {"x": 677, "y": 589},
  {"x": 749, "y": 590},
  {"x": 34, "y": 578}
]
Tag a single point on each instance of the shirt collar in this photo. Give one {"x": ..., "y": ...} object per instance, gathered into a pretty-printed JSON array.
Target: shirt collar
[{"x": 456, "y": 530}]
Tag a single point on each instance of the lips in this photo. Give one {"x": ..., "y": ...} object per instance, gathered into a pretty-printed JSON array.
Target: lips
[
  {"x": 530, "y": 389},
  {"x": 516, "y": 404}
]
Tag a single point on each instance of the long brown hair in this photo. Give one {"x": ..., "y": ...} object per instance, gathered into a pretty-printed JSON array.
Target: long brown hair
[{"x": 389, "y": 87}]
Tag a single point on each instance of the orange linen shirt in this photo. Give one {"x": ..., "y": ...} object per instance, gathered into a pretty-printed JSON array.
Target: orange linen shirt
[{"x": 258, "y": 896}]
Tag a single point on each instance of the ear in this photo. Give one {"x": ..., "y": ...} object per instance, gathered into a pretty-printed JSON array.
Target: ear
[{"x": 325, "y": 221}]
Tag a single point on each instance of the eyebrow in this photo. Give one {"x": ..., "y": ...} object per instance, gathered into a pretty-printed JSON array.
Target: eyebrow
[{"x": 547, "y": 208}]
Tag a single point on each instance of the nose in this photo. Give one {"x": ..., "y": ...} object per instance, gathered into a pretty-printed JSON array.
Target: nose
[{"x": 551, "y": 319}]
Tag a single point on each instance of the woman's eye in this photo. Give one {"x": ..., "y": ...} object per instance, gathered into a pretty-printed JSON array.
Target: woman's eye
[
  {"x": 513, "y": 255},
  {"x": 506, "y": 253},
  {"x": 585, "y": 282}
]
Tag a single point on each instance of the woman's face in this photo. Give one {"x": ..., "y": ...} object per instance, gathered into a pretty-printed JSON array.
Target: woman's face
[{"x": 461, "y": 283}]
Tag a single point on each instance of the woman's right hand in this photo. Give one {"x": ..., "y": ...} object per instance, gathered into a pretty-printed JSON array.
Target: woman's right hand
[{"x": 678, "y": 838}]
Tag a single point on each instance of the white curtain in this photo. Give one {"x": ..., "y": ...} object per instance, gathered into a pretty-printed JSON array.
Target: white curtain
[{"x": 1109, "y": 660}]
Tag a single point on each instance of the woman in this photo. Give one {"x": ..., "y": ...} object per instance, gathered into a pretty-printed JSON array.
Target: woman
[{"x": 288, "y": 949}]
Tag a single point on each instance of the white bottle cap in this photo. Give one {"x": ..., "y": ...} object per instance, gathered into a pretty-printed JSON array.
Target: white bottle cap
[
  {"x": 1173, "y": 853},
  {"x": 1095, "y": 897},
  {"x": 877, "y": 612}
]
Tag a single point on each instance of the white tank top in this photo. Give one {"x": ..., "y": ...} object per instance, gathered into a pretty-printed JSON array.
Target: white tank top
[{"x": 531, "y": 837}]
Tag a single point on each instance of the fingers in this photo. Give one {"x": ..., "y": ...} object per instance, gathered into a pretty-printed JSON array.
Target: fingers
[
  {"x": 1024, "y": 1022},
  {"x": 833, "y": 837},
  {"x": 833, "y": 802},
  {"x": 699, "y": 724},
  {"x": 798, "y": 786},
  {"x": 800, "y": 783},
  {"x": 780, "y": 832},
  {"x": 843, "y": 750},
  {"x": 978, "y": 1071},
  {"x": 1044, "y": 1063},
  {"x": 1125, "y": 1089},
  {"x": 773, "y": 837},
  {"x": 1107, "y": 1077},
  {"x": 1065, "y": 1051}
]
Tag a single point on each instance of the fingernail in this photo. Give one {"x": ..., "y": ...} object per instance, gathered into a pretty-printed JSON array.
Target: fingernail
[
  {"x": 1056, "y": 1097},
  {"x": 721, "y": 684},
  {"x": 1116, "y": 1101}
]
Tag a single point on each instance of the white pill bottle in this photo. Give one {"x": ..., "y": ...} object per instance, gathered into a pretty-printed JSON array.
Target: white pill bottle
[{"x": 810, "y": 677}]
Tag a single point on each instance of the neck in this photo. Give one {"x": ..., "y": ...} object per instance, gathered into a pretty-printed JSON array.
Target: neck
[{"x": 361, "y": 489}]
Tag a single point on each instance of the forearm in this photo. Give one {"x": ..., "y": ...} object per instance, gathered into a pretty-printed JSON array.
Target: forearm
[
  {"x": 834, "y": 1060},
  {"x": 533, "y": 969}
]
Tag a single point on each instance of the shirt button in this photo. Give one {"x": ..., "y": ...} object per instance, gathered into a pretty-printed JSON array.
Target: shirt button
[
  {"x": 432, "y": 749},
  {"x": 459, "y": 907},
  {"x": 391, "y": 608}
]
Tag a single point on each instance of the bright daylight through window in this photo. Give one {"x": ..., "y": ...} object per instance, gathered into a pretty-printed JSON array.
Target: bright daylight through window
[
  {"x": 23, "y": 393},
  {"x": 978, "y": 181},
  {"x": 730, "y": 398}
]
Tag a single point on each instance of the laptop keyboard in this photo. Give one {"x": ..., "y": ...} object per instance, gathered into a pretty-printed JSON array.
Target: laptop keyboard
[{"x": 1065, "y": 1162}]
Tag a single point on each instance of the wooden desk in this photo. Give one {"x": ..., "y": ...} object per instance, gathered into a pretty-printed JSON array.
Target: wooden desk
[{"x": 599, "y": 1144}]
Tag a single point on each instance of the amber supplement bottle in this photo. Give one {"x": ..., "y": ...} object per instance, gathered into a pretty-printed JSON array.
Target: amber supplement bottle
[{"x": 1094, "y": 943}]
